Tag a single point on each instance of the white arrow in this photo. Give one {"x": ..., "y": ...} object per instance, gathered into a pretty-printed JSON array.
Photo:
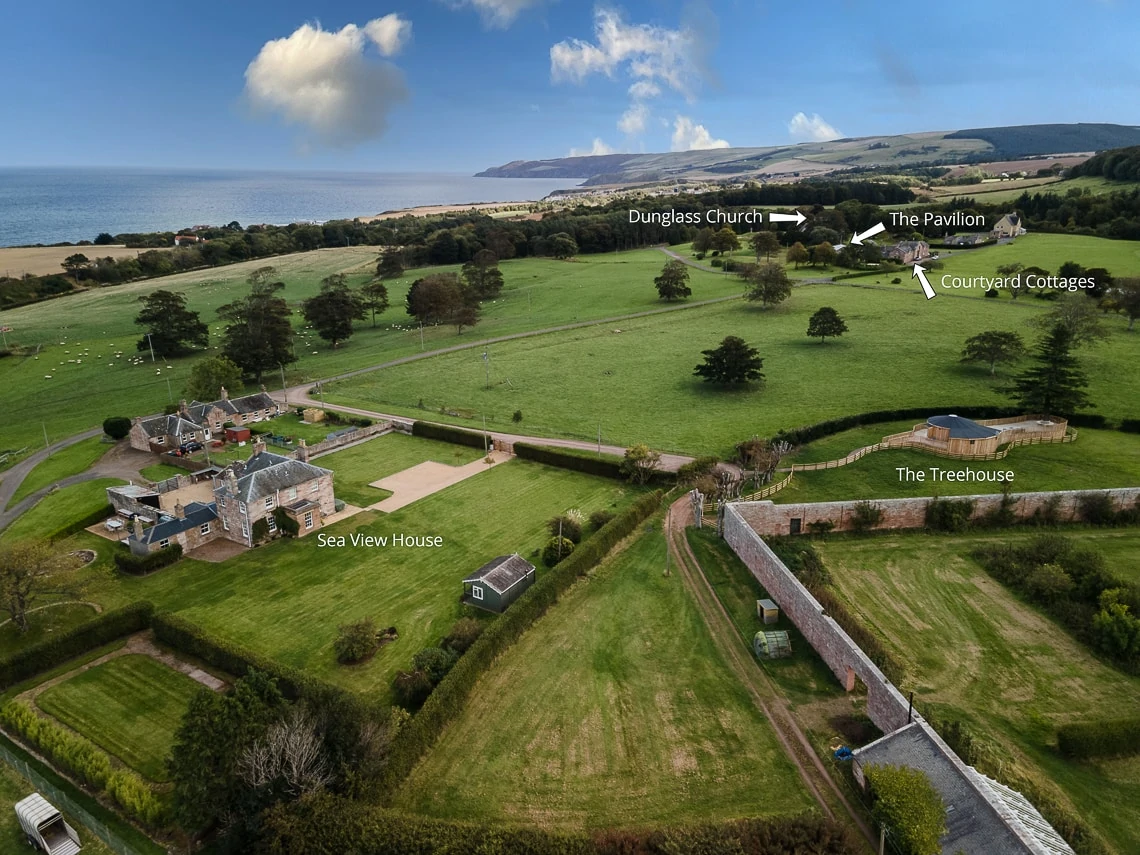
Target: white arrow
[
  {"x": 920, "y": 272},
  {"x": 871, "y": 232},
  {"x": 796, "y": 218}
]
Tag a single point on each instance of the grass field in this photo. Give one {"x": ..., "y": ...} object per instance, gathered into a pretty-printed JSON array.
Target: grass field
[
  {"x": 95, "y": 325},
  {"x": 1009, "y": 191},
  {"x": 614, "y": 710},
  {"x": 160, "y": 472},
  {"x": 56, "y": 510},
  {"x": 973, "y": 649},
  {"x": 13, "y": 788},
  {"x": 638, "y": 385},
  {"x": 42, "y": 624},
  {"x": 68, "y": 461},
  {"x": 1097, "y": 459},
  {"x": 131, "y": 706},
  {"x": 355, "y": 468}
]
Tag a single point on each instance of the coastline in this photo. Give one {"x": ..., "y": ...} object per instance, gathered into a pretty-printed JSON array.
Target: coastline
[{"x": 432, "y": 210}]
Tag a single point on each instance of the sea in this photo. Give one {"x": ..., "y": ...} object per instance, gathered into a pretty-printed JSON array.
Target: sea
[{"x": 55, "y": 205}]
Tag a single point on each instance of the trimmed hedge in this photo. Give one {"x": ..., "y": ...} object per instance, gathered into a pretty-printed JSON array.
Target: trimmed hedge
[
  {"x": 446, "y": 702},
  {"x": 1106, "y": 738},
  {"x": 1130, "y": 426},
  {"x": 446, "y": 433},
  {"x": 54, "y": 651},
  {"x": 140, "y": 565},
  {"x": 78, "y": 525},
  {"x": 607, "y": 466}
]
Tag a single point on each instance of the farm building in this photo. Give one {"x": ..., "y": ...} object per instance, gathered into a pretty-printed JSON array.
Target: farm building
[
  {"x": 498, "y": 583},
  {"x": 774, "y": 644},
  {"x": 767, "y": 611}
]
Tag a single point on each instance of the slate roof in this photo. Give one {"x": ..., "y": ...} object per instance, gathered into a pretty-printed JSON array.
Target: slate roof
[
  {"x": 982, "y": 816},
  {"x": 962, "y": 428},
  {"x": 254, "y": 403},
  {"x": 502, "y": 573},
  {"x": 172, "y": 425},
  {"x": 265, "y": 473},
  {"x": 197, "y": 513}
]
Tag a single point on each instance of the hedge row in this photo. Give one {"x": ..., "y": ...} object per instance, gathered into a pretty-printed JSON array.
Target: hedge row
[
  {"x": 56, "y": 650},
  {"x": 140, "y": 565},
  {"x": 1106, "y": 738},
  {"x": 327, "y": 824},
  {"x": 446, "y": 433},
  {"x": 74, "y": 526},
  {"x": 85, "y": 762},
  {"x": 605, "y": 467},
  {"x": 446, "y": 702}
]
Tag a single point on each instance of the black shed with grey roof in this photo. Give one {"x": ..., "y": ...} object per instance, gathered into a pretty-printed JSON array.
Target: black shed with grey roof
[{"x": 498, "y": 583}]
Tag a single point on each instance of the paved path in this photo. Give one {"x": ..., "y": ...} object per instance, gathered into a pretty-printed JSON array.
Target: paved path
[
  {"x": 422, "y": 480},
  {"x": 15, "y": 476}
]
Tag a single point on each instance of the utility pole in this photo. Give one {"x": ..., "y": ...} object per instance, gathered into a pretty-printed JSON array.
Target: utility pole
[
  {"x": 151, "y": 345},
  {"x": 169, "y": 390},
  {"x": 284, "y": 388},
  {"x": 486, "y": 436},
  {"x": 487, "y": 368},
  {"x": 421, "y": 335},
  {"x": 47, "y": 445},
  {"x": 599, "y": 439}
]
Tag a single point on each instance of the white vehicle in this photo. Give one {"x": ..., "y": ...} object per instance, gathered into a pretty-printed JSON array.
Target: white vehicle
[{"x": 45, "y": 827}]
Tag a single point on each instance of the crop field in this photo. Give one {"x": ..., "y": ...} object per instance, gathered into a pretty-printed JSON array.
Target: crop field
[
  {"x": 86, "y": 374},
  {"x": 614, "y": 710},
  {"x": 637, "y": 385},
  {"x": 131, "y": 706},
  {"x": 68, "y": 461},
  {"x": 1097, "y": 459},
  {"x": 285, "y": 600},
  {"x": 975, "y": 651},
  {"x": 15, "y": 261},
  {"x": 13, "y": 788}
]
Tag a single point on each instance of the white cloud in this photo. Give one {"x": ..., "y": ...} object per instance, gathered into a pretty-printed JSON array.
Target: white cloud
[
  {"x": 633, "y": 120},
  {"x": 389, "y": 33},
  {"x": 325, "y": 81},
  {"x": 690, "y": 137},
  {"x": 655, "y": 56},
  {"x": 813, "y": 129},
  {"x": 496, "y": 13},
  {"x": 644, "y": 89},
  {"x": 599, "y": 147}
]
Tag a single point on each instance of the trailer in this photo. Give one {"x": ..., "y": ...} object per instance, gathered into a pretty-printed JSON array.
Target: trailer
[{"x": 45, "y": 828}]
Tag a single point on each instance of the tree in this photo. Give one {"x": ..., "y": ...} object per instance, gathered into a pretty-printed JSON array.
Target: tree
[
  {"x": 826, "y": 322},
  {"x": 673, "y": 283},
  {"x": 483, "y": 276},
  {"x": 767, "y": 283},
  {"x": 725, "y": 240},
  {"x": 355, "y": 642},
  {"x": 823, "y": 254},
  {"x": 117, "y": 427},
  {"x": 561, "y": 246},
  {"x": 1054, "y": 384},
  {"x": 390, "y": 265},
  {"x": 258, "y": 335},
  {"x": 210, "y": 375},
  {"x": 442, "y": 299},
  {"x": 288, "y": 761},
  {"x": 332, "y": 311},
  {"x": 104, "y": 239},
  {"x": 992, "y": 347},
  {"x": 29, "y": 571},
  {"x": 374, "y": 298},
  {"x": 74, "y": 263},
  {"x": 1126, "y": 295},
  {"x": 556, "y": 549},
  {"x": 907, "y": 805},
  {"x": 173, "y": 329},
  {"x": 639, "y": 463},
  {"x": 797, "y": 254},
  {"x": 764, "y": 243},
  {"x": 734, "y": 361},
  {"x": 1078, "y": 314},
  {"x": 703, "y": 241}
]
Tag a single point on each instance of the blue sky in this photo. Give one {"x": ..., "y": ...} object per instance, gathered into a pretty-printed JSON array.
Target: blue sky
[{"x": 458, "y": 85}]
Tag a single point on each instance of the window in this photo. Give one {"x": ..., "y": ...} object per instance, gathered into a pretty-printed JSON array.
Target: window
[
  {"x": 241, "y": 507},
  {"x": 225, "y": 524},
  {"x": 309, "y": 519},
  {"x": 476, "y": 592},
  {"x": 162, "y": 544},
  {"x": 221, "y": 503},
  {"x": 315, "y": 487},
  {"x": 292, "y": 492},
  {"x": 268, "y": 503},
  {"x": 244, "y": 528},
  {"x": 272, "y": 523},
  {"x": 217, "y": 425},
  {"x": 204, "y": 528},
  {"x": 160, "y": 440}
]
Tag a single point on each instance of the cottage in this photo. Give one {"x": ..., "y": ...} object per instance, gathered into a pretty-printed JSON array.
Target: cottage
[
  {"x": 159, "y": 433},
  {"x": 968, "y": 240},
  {"x": 189, "y": 527},
  {"x": 498, "y": 583},
  {"x": 907, "y": 251},
  {"x": 1007, "y": 227},
  {"x": 249, "y": 408}
]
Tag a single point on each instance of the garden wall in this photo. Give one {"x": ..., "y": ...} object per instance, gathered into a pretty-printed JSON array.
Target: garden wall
[
  {"x": 772, "y": 519},
  {"x": 307, "y": 452},
  {"x": 886, "y": 705}
]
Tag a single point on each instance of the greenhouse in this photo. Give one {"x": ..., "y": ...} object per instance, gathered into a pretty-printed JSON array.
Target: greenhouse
[{"x": 772, "y": 645}]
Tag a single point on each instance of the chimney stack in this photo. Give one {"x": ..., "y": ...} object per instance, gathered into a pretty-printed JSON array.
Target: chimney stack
[
  {"x": 137, "y": 522},
  {"x": 179, "y": 511},
  {"x": 258, "y": 446},
  {"x": 225, "y": 394},
  {"x": 183, "y": 410}
]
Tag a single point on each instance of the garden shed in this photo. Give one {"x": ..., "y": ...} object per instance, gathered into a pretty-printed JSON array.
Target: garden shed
[
  {"x": 767, "y": 611},
  {"x": 498, "y": 583},
  {"x": 774, "y": 644},
  {"x": 237, "y": 434}
]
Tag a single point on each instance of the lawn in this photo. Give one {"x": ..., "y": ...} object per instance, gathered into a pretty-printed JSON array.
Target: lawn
[
  {"x": 160, "y": 472},
  {"x": 1097, "y": 459},
  {"x": 80, "y": 335},
  {"x": 976, "y": 652},
  {"x": 42, "y": 624},
  {"x": 638, "y": 385},
  {"x": 131, "y": 706},
  {"x": 56, "y": 510},
  {"x": 616, "y": 709},
  {"x": 68, "y": 461},
  {"x": 355, "y": 468},
  {"x": 286, "y": 600},
  {"x": 13, "y": 788}
]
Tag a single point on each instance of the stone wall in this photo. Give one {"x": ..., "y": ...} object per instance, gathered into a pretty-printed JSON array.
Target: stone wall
[
  {"x": 886, "y": 705},
  {"x": 772, "y": 519},
  {"x": 306, "y": 452}
]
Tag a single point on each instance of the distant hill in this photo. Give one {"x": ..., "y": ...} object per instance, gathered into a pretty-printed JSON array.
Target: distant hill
[{"x": 808, "y": 159}]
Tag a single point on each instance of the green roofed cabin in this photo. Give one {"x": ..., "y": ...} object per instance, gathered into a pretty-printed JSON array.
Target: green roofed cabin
[{"x": 498, "y": 583}]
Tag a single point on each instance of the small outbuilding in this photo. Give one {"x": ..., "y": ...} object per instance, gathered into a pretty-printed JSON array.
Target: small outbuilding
[
  {"x": 767, "y": 611},
  {"x": 498, "y": 583},
  {"x": 961, "y": 435},
  {"x": 773, "y": 644},
  {"x": 237, "y": 434}
]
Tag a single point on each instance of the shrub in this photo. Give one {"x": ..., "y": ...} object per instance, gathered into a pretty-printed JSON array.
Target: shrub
[
  {"x": 260, "y": 530},
  {"x": 137, "y": 799},
  {"x": 821, "y": 527},
  {"x": 600, "y": 518},
  {"x": 288, "y": 526},
  {"x": 606, "y": 466},
  {"x": 905, "y": 801},
  {"x": 949, "y": 514},
  {"x": 896, "y": 281},
  {"x": 117, "y": 427},
  {"x": 140, "y": 565},
  {"x": 565, "y": 526},
  {"x": 463, "y": 633},
  {"x": 1096, "y": 508},
  {"x": 865, "y": 516},
  {"x": 1130, "y": 426},
  {"x": 410, "y": 689},
  {"x": 434, "y": 662},
  {"x": 690, "y": 472},
  {"x": 557, "y": 549},
  {"x": 1105, "y": 738},
  {"x": 48, "y": 654},
  {"x": 355, "y": 642},
  {"x": 517, "y": 416}
]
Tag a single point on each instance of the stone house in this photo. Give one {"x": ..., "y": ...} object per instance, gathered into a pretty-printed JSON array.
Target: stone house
[
  {"x": 200, "y": 422},
  {"x": 248, "y": 408},
  {"x": 166, "y": 432},
  {"x": 189, "y": 527},
  {"x": 1008, "y": 226},
  {"x": 907, "y": 251}
]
